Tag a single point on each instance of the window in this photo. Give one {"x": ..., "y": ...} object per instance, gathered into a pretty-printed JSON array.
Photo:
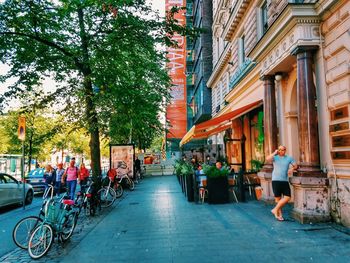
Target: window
[
  {"x": 241, "y": 51},
  {"x": 264, "y": 21}
]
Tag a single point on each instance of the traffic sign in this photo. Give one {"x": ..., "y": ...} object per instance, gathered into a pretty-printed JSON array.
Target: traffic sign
[{"x": 22, "y": 128}]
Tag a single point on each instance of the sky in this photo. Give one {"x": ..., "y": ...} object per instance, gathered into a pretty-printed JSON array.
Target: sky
[{"x": 158, "y": 5}]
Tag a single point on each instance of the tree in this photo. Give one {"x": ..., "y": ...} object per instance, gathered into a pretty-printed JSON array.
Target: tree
[
  {"x": 90, "y": 47},
  {"x": 39, "y": 130}
]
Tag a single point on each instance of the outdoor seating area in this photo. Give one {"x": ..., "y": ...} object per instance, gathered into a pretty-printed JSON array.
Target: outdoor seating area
[{"x": 230, "y": 188}]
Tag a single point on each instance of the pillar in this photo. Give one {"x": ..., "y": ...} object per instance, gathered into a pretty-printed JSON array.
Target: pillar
[
  {"x": 310, "y": 185},
  {"x": 309, "y": 158},
  {"x": 270, "y": 136}
]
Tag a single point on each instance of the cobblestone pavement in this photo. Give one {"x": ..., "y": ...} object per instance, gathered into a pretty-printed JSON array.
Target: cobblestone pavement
[
  {"x": 84, "y": 226},
  {"x": 156, "y": 224}
]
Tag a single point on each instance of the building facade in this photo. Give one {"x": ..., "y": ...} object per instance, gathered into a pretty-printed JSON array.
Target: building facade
[
  {"x": 198, "y": 69},
  {"x": 281, "y": 76}
]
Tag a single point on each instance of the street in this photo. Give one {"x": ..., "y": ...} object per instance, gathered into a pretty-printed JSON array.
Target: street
[
  {"x": 155, "y": 223},
  {"x": 9, "y": 216}
]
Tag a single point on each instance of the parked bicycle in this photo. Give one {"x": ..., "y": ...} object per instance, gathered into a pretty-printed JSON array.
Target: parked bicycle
[
  {"x": 123, "y": 176},
  {"x": 59, "y": 221},
  {"x": 88, "y": 199},
  {"x": 107, "y": 194},
  {"x": 127, "y": 181},
  {"x": 24, "y": 228}
]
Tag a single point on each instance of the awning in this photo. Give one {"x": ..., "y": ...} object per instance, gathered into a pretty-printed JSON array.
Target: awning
[{"x": 217, "y": 124}]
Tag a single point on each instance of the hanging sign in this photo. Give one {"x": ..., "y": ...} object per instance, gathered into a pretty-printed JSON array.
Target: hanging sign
[{"x": 22, "y": 128}]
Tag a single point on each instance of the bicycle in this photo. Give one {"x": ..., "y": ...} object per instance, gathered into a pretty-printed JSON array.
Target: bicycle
[
  {"x": 59, "y": 221},
  {"x": 88, "y": 199},
  {"x": 139, "y": 175},
  {"x": 24, "y": 228},
  {"x": 107, "y": 194},
  {"x": 128, "y": 181}
]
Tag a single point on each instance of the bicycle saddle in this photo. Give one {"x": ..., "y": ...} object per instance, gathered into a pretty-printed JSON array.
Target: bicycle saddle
[{"x": 68, "y": 202}]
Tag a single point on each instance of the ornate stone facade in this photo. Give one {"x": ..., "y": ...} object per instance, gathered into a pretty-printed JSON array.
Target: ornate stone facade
[{"x": 308, "y": 46}]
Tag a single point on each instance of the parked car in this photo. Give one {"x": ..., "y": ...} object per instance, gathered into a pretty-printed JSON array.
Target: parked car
[
  {"x": 36, "y": 179},
  {"x": 11, "y": 191}
]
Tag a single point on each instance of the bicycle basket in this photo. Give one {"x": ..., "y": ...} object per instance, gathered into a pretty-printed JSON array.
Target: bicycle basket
[{"x": 52, "y": 211}]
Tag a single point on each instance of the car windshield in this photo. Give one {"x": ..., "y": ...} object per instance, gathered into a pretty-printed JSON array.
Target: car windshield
[
  {"x": 8, "y": 179},
  {"x": 36, "y": 172}
]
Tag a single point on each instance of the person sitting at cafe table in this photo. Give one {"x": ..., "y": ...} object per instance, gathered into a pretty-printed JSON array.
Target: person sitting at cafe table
[{"x": 218, "y": 165}]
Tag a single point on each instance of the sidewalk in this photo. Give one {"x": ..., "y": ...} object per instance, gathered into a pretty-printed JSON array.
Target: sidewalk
[{"x": 156, "y": 224}]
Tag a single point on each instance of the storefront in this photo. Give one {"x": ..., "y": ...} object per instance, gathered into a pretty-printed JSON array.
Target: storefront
[{"x": 244, "y": 141}]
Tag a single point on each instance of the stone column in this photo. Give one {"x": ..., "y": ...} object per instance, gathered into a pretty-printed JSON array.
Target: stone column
[
  {"x": 270, "y": 136},
  {"x": 310, "y": 185},
  {"x": 309, "y": 158}
]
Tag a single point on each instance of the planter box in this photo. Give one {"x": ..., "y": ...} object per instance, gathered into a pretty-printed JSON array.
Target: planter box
[
  {"x": 189, "y": 188},
  {"x": 217, "y": 190}
]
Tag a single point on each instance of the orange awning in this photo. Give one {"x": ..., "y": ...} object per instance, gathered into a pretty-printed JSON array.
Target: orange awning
[{"x": 216, "y": 124}]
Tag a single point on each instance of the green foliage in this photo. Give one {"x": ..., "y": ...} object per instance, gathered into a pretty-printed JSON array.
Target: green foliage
[
  {"x": 45, "y": 133},
  {"x": 183, "y": 168},
  {"x": 212, "y": 171},
  {"x": 157, "y": 143},
  {"x": 256, "y": 164},
  {"x": 103, "y": 56}
]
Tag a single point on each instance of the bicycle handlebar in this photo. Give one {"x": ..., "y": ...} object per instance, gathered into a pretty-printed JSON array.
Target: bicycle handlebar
[{"x": 47, "y": 190}]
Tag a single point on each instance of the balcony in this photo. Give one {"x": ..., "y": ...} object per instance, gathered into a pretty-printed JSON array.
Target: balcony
[
  {"x": 201, "y": 114},
  {"x": 190, "y": 57},
  {"x": 190, "y": 80}
]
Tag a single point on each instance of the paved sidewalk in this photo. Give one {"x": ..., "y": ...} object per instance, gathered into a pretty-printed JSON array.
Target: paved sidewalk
[{"x": 156, "y": 224}]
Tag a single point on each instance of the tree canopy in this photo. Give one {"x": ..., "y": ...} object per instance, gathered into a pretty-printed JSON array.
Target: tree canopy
[{"x": 102, "y": 54}]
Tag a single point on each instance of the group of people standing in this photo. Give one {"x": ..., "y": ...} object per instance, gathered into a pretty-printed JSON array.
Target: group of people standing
[{"x": 71, "y": 176}]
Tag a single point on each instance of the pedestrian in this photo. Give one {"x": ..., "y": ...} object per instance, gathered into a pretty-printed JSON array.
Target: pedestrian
[
  {"x": 83, "y": 176},
  {"x": 71, "y": 176},
  {"x": 59, "y": 174},
  {"x": 280, "y": 185},
  {"x": 49, "y": 176},
  {"x": 137, "y": 168}
]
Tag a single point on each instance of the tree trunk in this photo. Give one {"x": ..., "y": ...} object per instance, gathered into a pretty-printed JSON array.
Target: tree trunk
[{"x": 91, "y": 114}]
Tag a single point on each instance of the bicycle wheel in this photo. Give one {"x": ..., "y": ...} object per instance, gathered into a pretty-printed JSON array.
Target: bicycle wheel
[
  {"x": 69, "y": 225},
  {"x": 119, "y": 191},
  {"x": 23, "y": 230},
  {"x": 40, "y": 241},
  {"x": 131, "y": 184},
  {"x": 107, "y": 196}
]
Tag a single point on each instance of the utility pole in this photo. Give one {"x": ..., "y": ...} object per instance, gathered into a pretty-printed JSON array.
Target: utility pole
[{"x": 22, "y": 137}]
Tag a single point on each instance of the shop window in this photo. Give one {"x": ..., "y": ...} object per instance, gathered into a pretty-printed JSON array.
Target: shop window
[{"x": 257, "y": 138}]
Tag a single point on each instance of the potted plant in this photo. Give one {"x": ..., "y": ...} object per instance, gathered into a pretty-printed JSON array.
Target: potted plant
[
  {"x": 184, "y": 171},
  {"x": 217, "y": 184}
]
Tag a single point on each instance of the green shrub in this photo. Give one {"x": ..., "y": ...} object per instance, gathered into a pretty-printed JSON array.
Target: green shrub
[
  {"x": 183, "y": 168},
  {"x": 212, "y": 171}
]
